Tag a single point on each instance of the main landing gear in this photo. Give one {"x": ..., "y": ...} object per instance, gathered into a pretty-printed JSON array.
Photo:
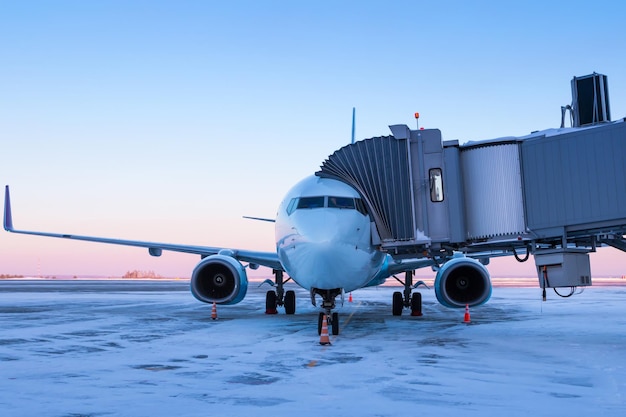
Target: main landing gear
[
  {"x": 278, "y": 297},
  {"x": 328, "y": 303},
  {"x": 406, "y": 299}
]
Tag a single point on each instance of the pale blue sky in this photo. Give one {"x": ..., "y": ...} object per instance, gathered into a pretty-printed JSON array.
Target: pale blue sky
[{"x": 170, "y": 120}]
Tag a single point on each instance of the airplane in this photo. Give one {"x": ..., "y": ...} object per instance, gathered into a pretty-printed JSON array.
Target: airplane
[
  {"x": 328, "y": 239},
  {"x": 324, "y": 243}
]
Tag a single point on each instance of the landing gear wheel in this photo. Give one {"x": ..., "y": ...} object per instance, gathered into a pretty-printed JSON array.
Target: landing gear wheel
[
  {"x": 335, "y": 324},
  {"x": 397, "y": 304},
  {"x": 320, "y": 318},
  {"x": 416, "y": 304},
  {"x": 270, "y": 303},
  {"x": 290, "y": 302}
]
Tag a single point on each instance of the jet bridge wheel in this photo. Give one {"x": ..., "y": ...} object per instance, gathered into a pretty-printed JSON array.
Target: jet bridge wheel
[
  {"x": 397, "y": 304},
  {"x": 290, "y": 302}
]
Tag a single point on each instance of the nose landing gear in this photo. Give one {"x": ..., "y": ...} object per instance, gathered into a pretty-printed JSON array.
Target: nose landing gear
[{"x": 328, "y": 304}]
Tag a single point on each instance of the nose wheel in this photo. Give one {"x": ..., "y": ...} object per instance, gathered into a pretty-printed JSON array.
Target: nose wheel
[
  {"x": 332, "y": 321},
  {"x": 328, "y": 304}
]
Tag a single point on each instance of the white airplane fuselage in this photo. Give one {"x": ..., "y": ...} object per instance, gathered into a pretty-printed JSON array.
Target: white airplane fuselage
[{"x": 323, "y": 236}]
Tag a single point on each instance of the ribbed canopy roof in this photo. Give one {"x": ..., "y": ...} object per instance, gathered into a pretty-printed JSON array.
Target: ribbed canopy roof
[{"x": 378, "y": 168}]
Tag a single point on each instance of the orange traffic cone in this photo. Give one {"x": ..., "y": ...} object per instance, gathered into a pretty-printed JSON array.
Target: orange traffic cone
[
  {"x": 350, "y": 298},
  {"x": 324, "y": 339},
  {"x": 214, "y": 312},
  {"x": 467, "y": 319}
]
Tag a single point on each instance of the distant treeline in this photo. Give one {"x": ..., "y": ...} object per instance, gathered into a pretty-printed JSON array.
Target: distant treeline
[
  {"x": 10, "y": 276},
  {"x": 141, "y": 274}
]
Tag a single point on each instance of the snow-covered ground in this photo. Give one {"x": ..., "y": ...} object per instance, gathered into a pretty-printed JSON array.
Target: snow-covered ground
[{"x": 146, "y": 348}]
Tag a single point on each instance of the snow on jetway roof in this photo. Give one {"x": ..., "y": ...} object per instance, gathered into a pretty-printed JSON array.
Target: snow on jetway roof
[{"x": 536, "y": 134}]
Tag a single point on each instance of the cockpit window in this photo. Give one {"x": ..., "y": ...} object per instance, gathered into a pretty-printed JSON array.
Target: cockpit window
[
  {"x": 341, "y": 202},
  {"x": 360, "y": 206},
  {"x": 348, "y": 203},
  {"x": 310, "y": 202},
  {"x": 292, "y": 206}
]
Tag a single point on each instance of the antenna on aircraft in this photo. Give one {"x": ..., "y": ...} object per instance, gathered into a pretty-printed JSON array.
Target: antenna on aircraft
[{"x": 353, "y": 119}]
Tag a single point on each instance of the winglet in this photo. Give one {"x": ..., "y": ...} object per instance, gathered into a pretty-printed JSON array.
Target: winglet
[{"x": 8, "y": 219}]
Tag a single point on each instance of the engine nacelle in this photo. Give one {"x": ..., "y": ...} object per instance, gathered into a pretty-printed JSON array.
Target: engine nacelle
[
  {"x": 219, "y": 279},
  {"x": 462, "y": 281}
]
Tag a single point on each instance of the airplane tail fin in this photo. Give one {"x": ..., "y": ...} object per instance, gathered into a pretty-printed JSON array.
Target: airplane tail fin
[
  {"x": 8, "y": 219},
  {"x": 353, "y": 122}
]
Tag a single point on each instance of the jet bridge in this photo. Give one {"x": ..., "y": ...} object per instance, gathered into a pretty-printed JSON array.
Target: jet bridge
[{"x": 557, "y": 194}]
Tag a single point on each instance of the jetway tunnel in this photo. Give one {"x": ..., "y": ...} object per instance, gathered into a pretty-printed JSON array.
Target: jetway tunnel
[{"x": 557, "y": 194}]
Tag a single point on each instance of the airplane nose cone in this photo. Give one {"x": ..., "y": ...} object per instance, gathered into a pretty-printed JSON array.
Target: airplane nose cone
[
  {"x": 323, "y": 265},
  {"x": 329, "y": 263},
  {"x": 328, "y": 249},
  {"x": 328, "y": 228}
]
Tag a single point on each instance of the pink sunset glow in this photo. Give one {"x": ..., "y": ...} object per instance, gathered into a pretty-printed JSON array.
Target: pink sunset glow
[{"x": 170, "y": 124}]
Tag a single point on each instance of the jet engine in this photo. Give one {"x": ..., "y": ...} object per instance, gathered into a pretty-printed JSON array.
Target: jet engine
[
  {"x": 219, "y": 279},
  {"x": 462, "y": 281}
]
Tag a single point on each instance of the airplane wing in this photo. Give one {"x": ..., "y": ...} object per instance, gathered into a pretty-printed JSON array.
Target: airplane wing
[
  {"x": 409, "y": 265},
  {"x": 268, "y": 259}
]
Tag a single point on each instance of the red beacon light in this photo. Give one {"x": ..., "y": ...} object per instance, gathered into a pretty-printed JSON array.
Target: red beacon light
[{"x": 417, "y": 116}]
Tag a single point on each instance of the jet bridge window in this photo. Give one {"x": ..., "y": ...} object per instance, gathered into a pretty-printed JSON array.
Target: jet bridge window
[
  {"x": 436, "y": 185},
  {"x": 310, "y": 202}
]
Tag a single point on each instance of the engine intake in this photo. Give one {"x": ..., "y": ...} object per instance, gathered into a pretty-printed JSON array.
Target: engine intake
[
  {"x": 219, "y": 279},
  {"x": 462, "y": 281}
]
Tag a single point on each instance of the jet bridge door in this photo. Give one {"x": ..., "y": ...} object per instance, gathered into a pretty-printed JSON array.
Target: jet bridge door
[{"x": 428, "y": 181}]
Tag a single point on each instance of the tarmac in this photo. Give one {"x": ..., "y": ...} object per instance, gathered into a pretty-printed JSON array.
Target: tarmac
[{"x": 129, "y": 348}]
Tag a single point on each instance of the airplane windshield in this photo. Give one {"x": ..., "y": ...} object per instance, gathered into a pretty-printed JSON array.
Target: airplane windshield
[
  {"x": 310, "y": 202},
  {"x": 348, "y": 203},
  {"x": 341, "y": 202}
]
